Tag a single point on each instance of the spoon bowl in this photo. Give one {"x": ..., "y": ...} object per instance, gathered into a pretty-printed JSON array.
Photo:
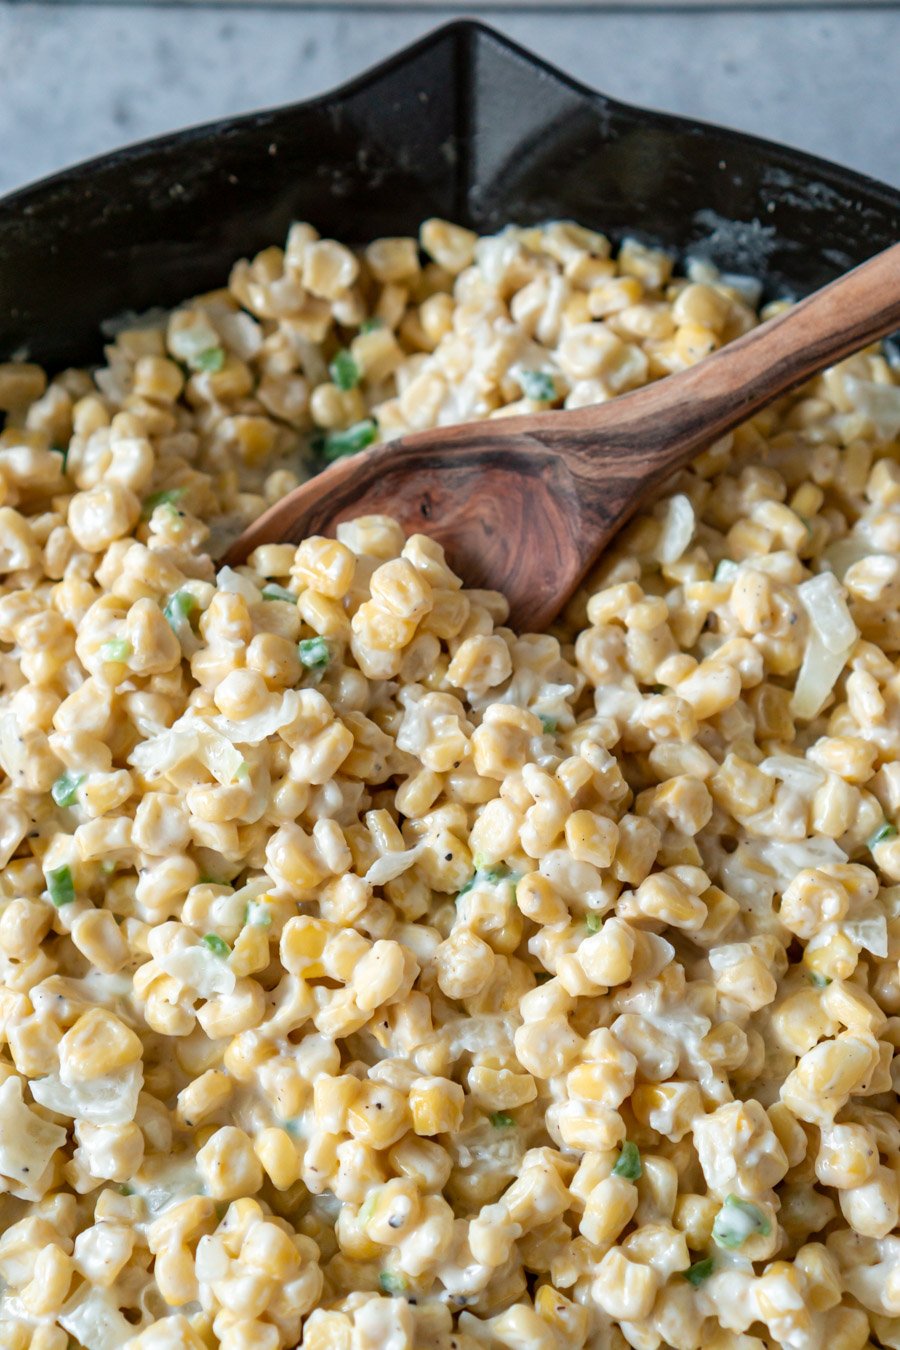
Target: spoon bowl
[{"x": 525, "y": 505}]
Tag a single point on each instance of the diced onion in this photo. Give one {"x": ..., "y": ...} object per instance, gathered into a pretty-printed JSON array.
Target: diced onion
[
  {"x": 235, "y": 583},
  {"x": 200, "y": 969},
  {"x": 879, "y": 402},
  {"x": 678, "y": 525},
  {"x": 796, "y": 772},
  {"x": 280, "y": 712},
  {"x": 818, "y": 676},
  {"x": 94, "y": 1321},
  {"x": 831, "y": 639},
  {"x": 391, "y": 865},
  {"x": 868, "y": 931},
  {"x": 823, "y": 599},
  {"x": 252, "y": 890},
  {"x": 154, "y": 758},
  {"x": 221, "y": 757},
  {"x": 109, "y": 1100},
  {"x": 844, "y": 553},
  {"x": 27, "y": 1141},
  {"x": 786, "y": 859}
]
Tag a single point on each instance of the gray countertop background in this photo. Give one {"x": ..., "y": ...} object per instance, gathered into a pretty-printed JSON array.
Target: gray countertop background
[{"x": 79, "y": 79}]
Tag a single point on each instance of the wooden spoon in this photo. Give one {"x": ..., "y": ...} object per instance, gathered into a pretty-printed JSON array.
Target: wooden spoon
[{"x": 524, "y": 505}]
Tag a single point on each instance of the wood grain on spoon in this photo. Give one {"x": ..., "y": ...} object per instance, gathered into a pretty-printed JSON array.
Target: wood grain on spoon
[{"x": 525, "y": 505}]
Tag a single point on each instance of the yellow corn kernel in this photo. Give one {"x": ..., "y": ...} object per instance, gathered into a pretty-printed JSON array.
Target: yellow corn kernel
[
  {"x": 326, "y": 566},
  {"x": 669, "y": 1108},
  {"x": 250, "y": 952},
  {"x": 624, "y": 1289},
  {"x": 183, "y": 1221},
  {"x": 479, "y": 664},
  {"x": 377, "y": 355},
  {"x": 694, "y": 1215},
  {"x": 598, "y": 1082},
  {"x": 329, "y": 268},
  {"x": 667, "y": 899},
  {"x": 99, "y": 1043},
  {"x": 34, "y": 1045},
  {"x": 607, "y": 957},
  {"x": 780, "y": 1299},
  {"x": 569, "y": 1319},
  {"x": 835, "y": 959},
  {"x": 650, "y": 265},
  {"x": 748, "y": 982},
  {"x": 98, "y": 937},
  {"x": 278, "y": 1154},
  {"x": 294, "y": 858},
  {"x": 636, "y": 850},
  {"x": 451, "y": 246},
  {"x": 500, "y": 1089},
  {"x": 229, "y": 1165},
  {"x": 538, "y": 900},
  {"x": 802, "y": 1020},
  {"x": 398, "y": 587},
  {"x": 381, "y": 630},
  {"x": 609, "y": 1207},
  {"x": 267, "y": 1247},
  {"x": 203, "y": 1097},
  {"x": 379, "y": 1116},
  {"x": 333, "y": 1098},
  {"x": 436, "y": 1105},
  {"x": 847, "y": 1157},
  {"x": 173, "y": 1271},
  {"x": 591, "y": 838},
  {"x": 822, "y": 1275},
  {"x": 393, "y": 259},
  {"x": 49, "y": 1285}
]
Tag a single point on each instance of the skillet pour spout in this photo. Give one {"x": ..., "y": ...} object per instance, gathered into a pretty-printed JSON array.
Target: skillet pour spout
[{"x": 428, "y": 132}]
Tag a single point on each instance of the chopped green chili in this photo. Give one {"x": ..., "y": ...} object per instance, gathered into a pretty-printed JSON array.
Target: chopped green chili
[
  {"x": 211, "y": 361},
  {"x": 736, "y": 1221},
  {"x": 179, "y": 608},
  {"x": 167, "y": 498},
  {"x": 344, "y": 371},
  {"x": 61, "y": 886},
  {"x": 335, "y": 444},
  {"x": 117, "y": 649},
  {"x": 699, "y": 1271},
  {"x": 65, "y": 790},
  {"x": 217, "y": 944},
  {"x": 313, "y": 653},
  {"x": 392, "y": 1283},
  {"x": 538, "y": 385},
  {"x": 884, "y": 831},
  {"x": 257, "y": 915},
  {"x": 272, "y": 591},
  {"x": 629, "y": 1164}
]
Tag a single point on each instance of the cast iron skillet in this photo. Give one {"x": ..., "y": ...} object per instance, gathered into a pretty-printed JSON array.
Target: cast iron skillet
[{"x": 464, "y": 124}]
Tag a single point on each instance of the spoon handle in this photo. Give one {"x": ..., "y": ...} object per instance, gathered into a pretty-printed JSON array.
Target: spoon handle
[{"x": 664, "y": 423}]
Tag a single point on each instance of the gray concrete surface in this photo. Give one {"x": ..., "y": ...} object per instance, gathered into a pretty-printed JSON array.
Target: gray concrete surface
[{"x": 79, "y": 79}]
